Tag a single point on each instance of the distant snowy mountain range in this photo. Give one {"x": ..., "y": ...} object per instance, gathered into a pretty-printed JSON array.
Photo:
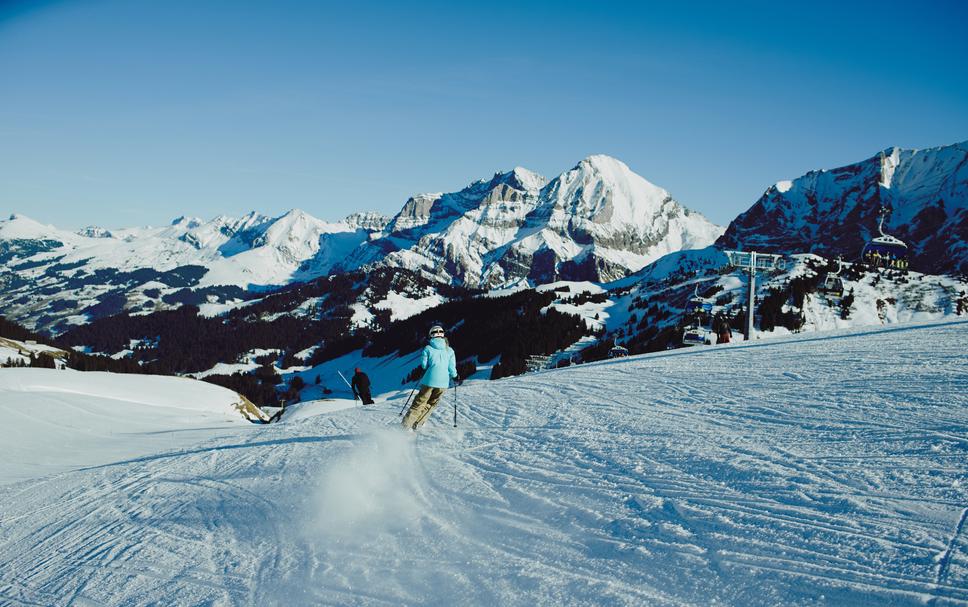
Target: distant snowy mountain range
[{"x": 597, "y": 222}]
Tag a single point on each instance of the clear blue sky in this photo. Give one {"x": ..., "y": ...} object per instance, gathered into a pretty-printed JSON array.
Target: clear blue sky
[{"x": 131, "y": 112}]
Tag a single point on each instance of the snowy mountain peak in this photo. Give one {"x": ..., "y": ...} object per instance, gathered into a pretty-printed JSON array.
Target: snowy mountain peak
[
  {"x": 95, "y": 232},
  {"x": 616, "y": 173},
  {"x": 598, "y": 221},
  {"x": 604, "y": 190},
  {"x": 187, "y": 222},
  {"x": 414, "y": 213},
  {"x": 526, "y": 180},
  {"x": 603, "y": 163},
  {"x": 297, "y": 232},
  {"x": 19, "y": 226},
  {"x": 296, "y": 215}
]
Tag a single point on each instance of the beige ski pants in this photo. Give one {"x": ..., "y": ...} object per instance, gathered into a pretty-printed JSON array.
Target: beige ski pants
[{"x": 427, "y": 399}]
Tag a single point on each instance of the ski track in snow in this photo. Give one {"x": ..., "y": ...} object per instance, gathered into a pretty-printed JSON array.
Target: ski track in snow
[{"x": 812, "y": 472}]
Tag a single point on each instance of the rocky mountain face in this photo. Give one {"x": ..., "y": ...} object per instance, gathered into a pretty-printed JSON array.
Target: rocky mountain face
[
  {"x": 834, "y": 212},
  {"x": 599, "y": 221}
]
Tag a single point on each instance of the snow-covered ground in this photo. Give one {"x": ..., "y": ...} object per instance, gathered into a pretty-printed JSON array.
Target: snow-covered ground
[
  {"x": 58, "y": 420},
  {"x": 822, "y": 469}
]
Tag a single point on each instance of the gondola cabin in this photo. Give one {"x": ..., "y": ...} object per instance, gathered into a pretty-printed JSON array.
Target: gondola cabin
[
  {"x": 832, "y": 285},
  {"x": 696, "y": 336},
  {"x": 618, "y": 352},
  {"x": 885, "y": 251}
]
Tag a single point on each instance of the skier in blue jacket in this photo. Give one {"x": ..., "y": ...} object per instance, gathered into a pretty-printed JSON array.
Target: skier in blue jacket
[{"x": 441, "y": 366}]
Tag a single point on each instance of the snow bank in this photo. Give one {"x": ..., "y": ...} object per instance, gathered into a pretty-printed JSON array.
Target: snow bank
[
  {"x": 62, "y": 420},
  {"x": 178, "y": 393}
]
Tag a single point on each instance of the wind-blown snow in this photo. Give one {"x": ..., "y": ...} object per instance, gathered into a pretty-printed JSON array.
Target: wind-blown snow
[{"x": 818, "y": 470}]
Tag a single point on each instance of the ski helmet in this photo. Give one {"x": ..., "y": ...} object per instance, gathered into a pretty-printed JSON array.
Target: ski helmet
[{"x": 436, "y": 331}]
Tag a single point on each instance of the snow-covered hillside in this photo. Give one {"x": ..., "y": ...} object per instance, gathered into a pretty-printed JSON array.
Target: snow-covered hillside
[
  {"x": 66, "y": 420},
  {"x": 15, "y": 352},
  {"x": 820, "y": 470},
  {"x": 835, "y": 212},
  {"x": 52, "y": 276},
  {"x": 648, "y": 311}
]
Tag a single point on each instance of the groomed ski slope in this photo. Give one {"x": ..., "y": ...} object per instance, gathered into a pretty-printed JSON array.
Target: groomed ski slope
[
  {"x": 826, "y": 470},
  {"x": 58, "y": 420}
]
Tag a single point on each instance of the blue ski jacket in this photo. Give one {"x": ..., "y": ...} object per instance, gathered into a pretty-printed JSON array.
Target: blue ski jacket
[{"x": 439, "y": 361}]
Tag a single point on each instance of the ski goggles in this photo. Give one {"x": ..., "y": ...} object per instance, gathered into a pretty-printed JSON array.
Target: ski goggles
[{"x": 437, "y": 333}]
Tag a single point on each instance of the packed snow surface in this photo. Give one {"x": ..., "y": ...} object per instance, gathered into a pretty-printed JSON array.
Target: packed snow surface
[
  {"x": 57, "y": 420},
  {"x": 811, "y": 470}
]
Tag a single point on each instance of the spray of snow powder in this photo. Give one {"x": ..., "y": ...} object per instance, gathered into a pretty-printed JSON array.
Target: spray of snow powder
[{"x": 371, "y": 489}]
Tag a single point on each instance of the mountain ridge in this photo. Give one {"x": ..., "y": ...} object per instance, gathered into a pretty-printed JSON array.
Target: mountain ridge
[
  {"x": 926, "y": 189},
  {"x": 598, "y": 221}
]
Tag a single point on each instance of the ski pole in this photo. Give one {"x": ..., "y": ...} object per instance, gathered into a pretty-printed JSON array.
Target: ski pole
[
  {"x": 407, "y": 404},
  {"x": 455, "y": 403},
  {"x": 348, "y": 385},
  {"x": 344, "y": 379}
]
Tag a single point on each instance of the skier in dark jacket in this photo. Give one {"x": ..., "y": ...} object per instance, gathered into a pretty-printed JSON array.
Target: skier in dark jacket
[
  {"x": 361, "y": 387},
  {"x": 723, "y": 332},
  {"x": 441, "y": 366}
]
